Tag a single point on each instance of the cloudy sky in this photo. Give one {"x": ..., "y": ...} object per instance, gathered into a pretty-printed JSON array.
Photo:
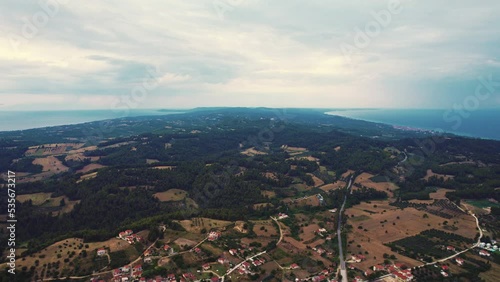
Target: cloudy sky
[{"x": 96, "y": 54}]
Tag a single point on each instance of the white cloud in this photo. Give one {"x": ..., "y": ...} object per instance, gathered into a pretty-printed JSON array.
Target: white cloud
[{"x": 263, "y": 53}]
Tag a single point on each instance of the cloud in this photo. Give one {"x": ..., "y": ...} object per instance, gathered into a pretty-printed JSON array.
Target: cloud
[{"x": 259, "y": 53}]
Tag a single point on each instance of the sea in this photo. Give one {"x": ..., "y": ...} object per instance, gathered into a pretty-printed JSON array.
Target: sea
[
  {"x": 20, "y": 120},
  {"x": 484, "y": 124}
]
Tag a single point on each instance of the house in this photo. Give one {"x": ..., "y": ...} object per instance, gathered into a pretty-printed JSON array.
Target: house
[
  {"x": 213, "y": 235},
  {"x": 368, "y": 272},
  {"x": 358, "y": 279},
  {"x": 445, "y": 267},
  {"x": 189, "y": 276},
  {"x": 197, "y": 250},
  {"x": 222, "y": 260},
  {"x": 450, "y": 248},
  {"x": 257, "y": 262},
  {"x": 459, "y": 261},
  {"x": 321, "y": 230},
  {"x": 101, "y": 252},
  {"x": 148, "y": 253},
  {"x": 245, "y": 265},
  {"x": 137, "y": 271},
  {"x": 125, "y": 233},
  {"x": 126, "y": 268},
  {"x": 355, "y": 258},
  {"x": 378, "y": 268},
  {"x": 233, "y": 252},
  {"x": 333, "y": 211},
  {"x": 444, "y": 274},
  {"x": 117, "y": 272},
  {"x": 321, "y": 251},
  {"x": 215, "y": 279},
  {"x": 484, "y": 253},
  {"x": 148, "y": 260},
  {"x": 282, "y": 216},
  {"x": 171, "y": 277},
  {"x": 294, "y": 266}
]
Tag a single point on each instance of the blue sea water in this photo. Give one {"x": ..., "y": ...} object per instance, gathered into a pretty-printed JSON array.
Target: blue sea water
[
  {"x": 20, "y": 120},
  {"x": 479, "y": 124}
]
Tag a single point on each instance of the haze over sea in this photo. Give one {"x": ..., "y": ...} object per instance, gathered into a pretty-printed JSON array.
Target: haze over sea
[
  {"x": 20, "y": 120},
  {"x": 480, "y": 123}
]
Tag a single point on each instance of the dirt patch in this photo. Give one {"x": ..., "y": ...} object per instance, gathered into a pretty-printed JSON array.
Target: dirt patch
[
  {"x": 36, "y": 198},
  {"x": 317, "y": 181},
  {"x": 240, "y": 227},
  {"x": 87, "y": 176},
  {"x": 333, "y": 186},
  {"x": 269, "y": 194},
  {"x": 152, "y": 161},
  {"x": 52, "y": 149},
  {"x": 171, "y": 195},
  {"x": 271, "y": 175},
  {"x": 51, "y": 164},
  {"x": 293, "y": 151},
  {"x": 265, "y": 228},
  {"x": 309, "y": 232},
  {"x": 185, "y": 242},
  {"x": 347, "y": 173},
  {"x": 164, "y": 167},
  {"x": 90, "y": 167},
  {"x": 252, "y": 152},
  {"x": 430, "y": 174},
  {"x": 364, "y": 179},
  {"x": 195, "y": 225}
]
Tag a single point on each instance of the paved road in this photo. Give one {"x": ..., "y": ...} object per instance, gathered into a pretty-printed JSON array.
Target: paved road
[{"x": 343, "y": 269}]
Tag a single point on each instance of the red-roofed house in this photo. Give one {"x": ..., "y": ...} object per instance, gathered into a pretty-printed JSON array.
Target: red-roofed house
[
  {"x": 484, "y": 253},
  {"x": 233, "y": 252},
  {"x": 101, "y": 252},
  {"x": 206, "y": 266},
  {"x": 450, "y": 248},
  {"x": 378, "y": 268},
  {"x": 459, "y": 261},
  {"x": 294, "y": 266}
]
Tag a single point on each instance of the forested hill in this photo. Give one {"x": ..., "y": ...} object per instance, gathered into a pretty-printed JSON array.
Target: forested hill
[{"x": 103, "y": 177}]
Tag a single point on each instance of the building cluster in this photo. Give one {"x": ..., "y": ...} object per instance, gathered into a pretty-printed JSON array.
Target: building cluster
[
  {"x": 398, "y": 271},
  {"x": 129, "y": 236}
]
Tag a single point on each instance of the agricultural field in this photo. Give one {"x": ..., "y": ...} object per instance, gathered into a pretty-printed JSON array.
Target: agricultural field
[
  {"x": 265, "y": 228},
  {"x": 90, "y": 167},
  {"x": 378, "y": 223},
  {"x": 430, "y": 174},
  {"x": 172, "y": 195},
  {"x": 72, "y": 250},
  {"x": 51, "y": 163},
  {"x": 253, "y": 152},
  {"x": 52, "y": 149},
  {"x": 366, "y": 180},
  {"x": 197, "y": 224},
  {"x": 333, "y": 186}
]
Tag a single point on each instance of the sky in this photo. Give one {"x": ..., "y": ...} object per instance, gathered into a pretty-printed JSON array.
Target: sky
[{"x": 107, "y": 54}]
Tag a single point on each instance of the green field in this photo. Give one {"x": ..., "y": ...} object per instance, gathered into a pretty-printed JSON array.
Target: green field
[{"x": 482, "y": 203}]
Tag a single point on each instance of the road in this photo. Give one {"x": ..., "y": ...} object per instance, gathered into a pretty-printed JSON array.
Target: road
[
  {"x": 466, "y": 250},
  {"x": 239, "y": 264},
  {"x": 343, "y": 269},
  {"x": 281, "y": 231}
]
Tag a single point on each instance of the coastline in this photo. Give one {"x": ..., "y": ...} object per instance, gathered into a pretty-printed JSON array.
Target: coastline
[{"x": 408, "y": 126}]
